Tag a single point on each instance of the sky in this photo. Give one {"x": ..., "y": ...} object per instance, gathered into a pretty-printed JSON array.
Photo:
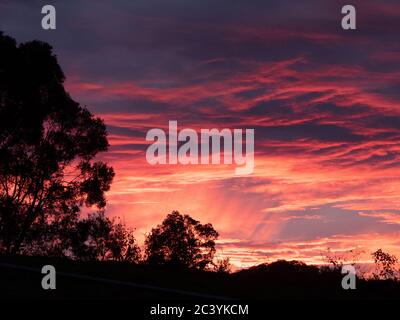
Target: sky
[{"x": 324, "y": 103}]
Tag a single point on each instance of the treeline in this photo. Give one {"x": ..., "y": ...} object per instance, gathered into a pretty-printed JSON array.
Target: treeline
[
  {"x": 179, "y": 241},
  {"x": 383, "y": 265}
]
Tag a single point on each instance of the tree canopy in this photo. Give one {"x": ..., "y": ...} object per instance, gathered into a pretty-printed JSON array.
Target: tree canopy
[
  {"x": 100, "y": 238},
  {"x": 181, "y": 241},
  {"x": 48, "y": 145}
]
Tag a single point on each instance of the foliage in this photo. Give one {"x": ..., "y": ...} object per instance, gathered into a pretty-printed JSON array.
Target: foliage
[
  {"x": 48, "y": 143},
  {"x": 100, "y": 238},
  {"x": 385, "y": 265},
  {"x": 223, "y": 266},
  {"x": 181, "y": 241},
  {"x": 336, "y": 260}
]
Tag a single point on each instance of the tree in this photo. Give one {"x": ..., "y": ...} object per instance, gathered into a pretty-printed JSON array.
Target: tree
[
  {"x": 48, "y": 143},
  {"x": 223, "y": 266},
  {"x": 338, "y": 259},
  {"x": 181, "y": 241},
  {"x": 385, "y": 265},
  {"x": 99, "y": 238},
  {"x": 122, "y": 244}
]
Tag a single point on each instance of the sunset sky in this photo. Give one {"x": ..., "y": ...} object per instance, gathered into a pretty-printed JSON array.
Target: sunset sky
[{"x": 324, "y": 103}]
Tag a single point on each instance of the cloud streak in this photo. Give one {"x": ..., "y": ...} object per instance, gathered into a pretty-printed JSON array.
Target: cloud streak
[{"x": 324, "y": 104}]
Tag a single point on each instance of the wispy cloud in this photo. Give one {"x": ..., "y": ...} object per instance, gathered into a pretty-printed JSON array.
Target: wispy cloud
[{"x": 324, "y": 104}]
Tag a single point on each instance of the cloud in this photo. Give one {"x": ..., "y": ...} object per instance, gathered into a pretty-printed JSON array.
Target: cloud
[{"x": 324, "y": 103}]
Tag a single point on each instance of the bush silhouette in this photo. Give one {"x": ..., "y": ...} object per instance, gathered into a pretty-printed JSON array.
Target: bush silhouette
[
  {"x": 181, "y": 241},
  {"x": 386, "y": 265},
  {"x": 100, "y": 238}
]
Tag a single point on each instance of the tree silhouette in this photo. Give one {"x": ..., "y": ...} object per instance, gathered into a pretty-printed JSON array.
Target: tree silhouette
[
  {"x": 47, "y": 147},
  {"x": 223, "y": 266},
  {"x": 100, "y": 238},
  {"x": 181, "y": 241},
  {"x": 385, "y": 265}
]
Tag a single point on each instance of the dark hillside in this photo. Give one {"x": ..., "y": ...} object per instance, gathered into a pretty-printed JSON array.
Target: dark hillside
[{"x": 20, "y": 277}]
